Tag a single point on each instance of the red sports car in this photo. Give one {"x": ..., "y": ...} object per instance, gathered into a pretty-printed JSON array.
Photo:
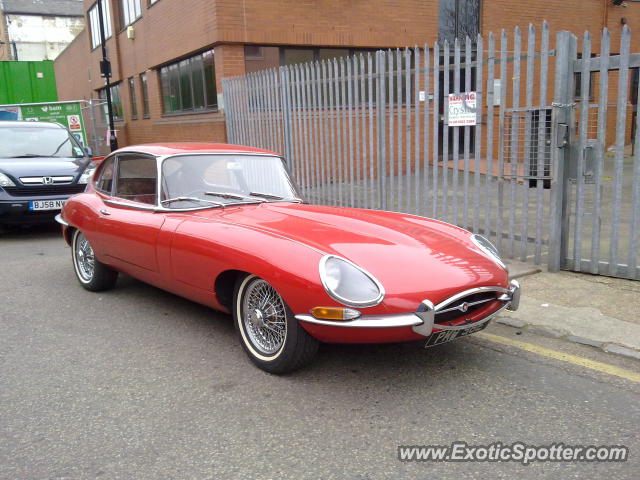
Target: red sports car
[{"x": 225, "y": 226}]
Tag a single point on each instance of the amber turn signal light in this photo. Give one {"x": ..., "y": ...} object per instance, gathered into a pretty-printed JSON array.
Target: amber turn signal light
[{"x": 335, "y": 313}]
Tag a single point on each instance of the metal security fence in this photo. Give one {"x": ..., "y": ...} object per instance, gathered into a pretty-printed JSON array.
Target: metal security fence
[{"x": 487, "y": 134}]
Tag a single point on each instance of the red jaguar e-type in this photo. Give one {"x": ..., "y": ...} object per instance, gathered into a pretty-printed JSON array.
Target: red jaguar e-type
[{"x": 225, "y": 226}]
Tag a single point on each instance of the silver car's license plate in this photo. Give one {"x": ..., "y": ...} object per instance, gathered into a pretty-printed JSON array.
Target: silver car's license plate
[
  {"x": 46, "y": 204},
  {"x": 445, "y": 336}
]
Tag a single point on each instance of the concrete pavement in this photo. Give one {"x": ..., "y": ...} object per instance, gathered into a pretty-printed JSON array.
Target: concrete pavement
[{"x": 593, "y": 310}]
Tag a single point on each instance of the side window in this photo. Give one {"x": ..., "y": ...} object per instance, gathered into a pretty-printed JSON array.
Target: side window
[
  {"x": 137, "y": 178},
  {"x": 104, "y": 182}
]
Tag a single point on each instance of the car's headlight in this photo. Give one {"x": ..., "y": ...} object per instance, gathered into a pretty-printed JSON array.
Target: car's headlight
[
  {"x": 6, "y": 181},
  {"x": 88, "y": 173},
  {"x": 488, "y": 249},
  {"x": 348, "y": 283}
]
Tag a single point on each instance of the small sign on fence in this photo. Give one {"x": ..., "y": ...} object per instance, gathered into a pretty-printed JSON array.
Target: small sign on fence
[{"x": 462, "y": 109}]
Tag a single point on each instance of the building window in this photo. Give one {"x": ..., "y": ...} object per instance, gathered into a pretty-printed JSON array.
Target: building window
[
  {"x": 189, "y": 85},
  {"x": 253, "y": 52},
  {"x": 94, "y": 22},
  {"x": 115, "y": 101},
  {"x": 459, "y": 19},
  {"x": 133, "y": 99},
  {"x": 258, "y": 57},
  {"x": 145, "y": 95},
  {"x": 129, "y": 12}
]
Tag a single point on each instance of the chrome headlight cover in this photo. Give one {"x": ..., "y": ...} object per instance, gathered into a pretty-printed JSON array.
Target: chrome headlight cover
[
  {"x": 488, "y": 248},
  {"x": 334, "y": 269}
]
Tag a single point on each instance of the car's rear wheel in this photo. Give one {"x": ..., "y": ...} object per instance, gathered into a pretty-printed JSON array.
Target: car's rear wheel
[
  {"x": 269, "y": 332},
  {"x": 91, "y": 273}
]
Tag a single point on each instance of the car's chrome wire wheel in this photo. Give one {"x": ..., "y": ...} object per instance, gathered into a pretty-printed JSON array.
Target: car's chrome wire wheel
[
  {"x": 84, "y": 257},
  {"x": 264, "y": 317}
]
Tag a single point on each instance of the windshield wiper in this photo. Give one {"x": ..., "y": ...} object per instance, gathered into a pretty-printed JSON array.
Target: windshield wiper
[
  {"x": 29, "y": 155},
  {"x": 191, "y": 199},
  {"x": 270, "y": 196},
  {"x": 233, "y": 196}
]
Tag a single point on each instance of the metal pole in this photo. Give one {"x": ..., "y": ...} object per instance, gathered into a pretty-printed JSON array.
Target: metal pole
[
  {"x": 93, "y": 128},
  {"x": 106, "y": 71},
  {"x": 562, "y": 124}
]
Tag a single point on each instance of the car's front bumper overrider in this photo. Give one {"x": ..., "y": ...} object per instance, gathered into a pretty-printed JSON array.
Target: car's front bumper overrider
[{"x": 422, "y": 321}]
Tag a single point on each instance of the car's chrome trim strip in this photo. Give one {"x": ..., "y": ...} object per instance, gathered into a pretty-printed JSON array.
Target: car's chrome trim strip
[
  {"x": 422, "y": 320},
  {"x": 61, "y": 220},
  {"x": 369, "y": 321},
  {"x": 40, "y": 180}
]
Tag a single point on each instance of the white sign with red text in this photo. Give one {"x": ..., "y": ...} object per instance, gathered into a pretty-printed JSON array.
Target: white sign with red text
[{"x": 462, "y": 109}]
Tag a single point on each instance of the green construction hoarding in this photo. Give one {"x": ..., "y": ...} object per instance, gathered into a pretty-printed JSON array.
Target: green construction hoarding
[
  {"x": 68, "y": 114},
  {"x": 27, "y": 82}
]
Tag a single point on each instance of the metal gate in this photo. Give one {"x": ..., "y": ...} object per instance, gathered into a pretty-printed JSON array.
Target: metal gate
[
  {"x": 376, "y": 131},
  {"x": 597, "y": 202}
]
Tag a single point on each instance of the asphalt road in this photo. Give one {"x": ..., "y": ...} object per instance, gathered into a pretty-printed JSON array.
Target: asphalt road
[{"x": 136, "y": 383}]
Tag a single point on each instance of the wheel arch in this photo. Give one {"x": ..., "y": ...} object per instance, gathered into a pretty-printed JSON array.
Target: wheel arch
[
  {"x": 67, "y": 234},
  {"x": 224, "y": 286}
]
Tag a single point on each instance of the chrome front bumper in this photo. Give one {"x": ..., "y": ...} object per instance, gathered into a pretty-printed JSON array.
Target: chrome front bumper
[
  {"x": 61, "y": 220},
  {"x": 422, "y": 321}
]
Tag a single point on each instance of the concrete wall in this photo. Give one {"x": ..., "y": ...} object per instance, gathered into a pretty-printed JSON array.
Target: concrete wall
[{"x": 40, "y": 37}]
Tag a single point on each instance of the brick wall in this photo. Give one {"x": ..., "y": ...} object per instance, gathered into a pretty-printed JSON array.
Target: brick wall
[{"x": 172, "y": 29}]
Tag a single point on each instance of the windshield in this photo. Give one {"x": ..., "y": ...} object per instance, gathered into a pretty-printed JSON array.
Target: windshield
[
  {"x": 33, "y": 141},
  {"x": 196, "y": 181}
]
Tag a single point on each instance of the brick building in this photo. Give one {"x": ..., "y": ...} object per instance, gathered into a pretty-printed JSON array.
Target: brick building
[{"x": 169, "y": 56}]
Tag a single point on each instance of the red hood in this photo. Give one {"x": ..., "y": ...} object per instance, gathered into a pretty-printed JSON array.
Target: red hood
[{"x": 407, "y": 254}]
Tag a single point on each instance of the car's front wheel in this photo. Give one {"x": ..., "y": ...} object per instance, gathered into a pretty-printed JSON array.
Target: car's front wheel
[
  {"x": 91, "y": 273},
  {"x": 269, "y": 332}
]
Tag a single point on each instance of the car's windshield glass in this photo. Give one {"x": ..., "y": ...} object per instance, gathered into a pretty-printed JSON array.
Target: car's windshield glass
[
  {"x": 192, "y": 181},
  {"x": 34, "y": 141}
]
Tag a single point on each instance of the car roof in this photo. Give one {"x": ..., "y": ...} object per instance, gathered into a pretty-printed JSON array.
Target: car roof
[
  {"x": 26, "y": 123},
  {"x": 161, "y": 149}
]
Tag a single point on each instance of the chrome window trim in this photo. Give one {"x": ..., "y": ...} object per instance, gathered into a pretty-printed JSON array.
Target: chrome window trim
[
  {"x": 346, "y": 301},
  {"x": 153, "y": 208},
  {"x": 114, "y": 186},
  {"x": 162, "y": 158}
]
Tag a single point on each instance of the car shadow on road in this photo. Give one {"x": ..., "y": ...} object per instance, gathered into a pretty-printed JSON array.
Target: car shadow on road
[
  {"x": 20, "y": 233},
  {"x": 400, "y": 363}
]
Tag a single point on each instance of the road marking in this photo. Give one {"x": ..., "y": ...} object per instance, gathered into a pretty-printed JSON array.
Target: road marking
[{"x": 564, "y": 357}]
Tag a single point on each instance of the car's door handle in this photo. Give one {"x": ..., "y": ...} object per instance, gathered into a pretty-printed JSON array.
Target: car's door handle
[{"x": 104, "y": 212}]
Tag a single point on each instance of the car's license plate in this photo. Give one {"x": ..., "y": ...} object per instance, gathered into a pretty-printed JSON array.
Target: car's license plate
[
  {"x": 46, "y": 204},
  {"x": 445, "y": 336}
]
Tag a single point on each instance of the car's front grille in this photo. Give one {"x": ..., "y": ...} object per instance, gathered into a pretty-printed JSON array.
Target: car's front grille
[
  {"x": 35, "y": 191},
  {"x": 465, "y": 306}
]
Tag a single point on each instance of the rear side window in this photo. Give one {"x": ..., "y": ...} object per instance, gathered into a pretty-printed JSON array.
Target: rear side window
[
  {"x": 137, "y": 178},
  {"x": 104, "y": 182}
]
